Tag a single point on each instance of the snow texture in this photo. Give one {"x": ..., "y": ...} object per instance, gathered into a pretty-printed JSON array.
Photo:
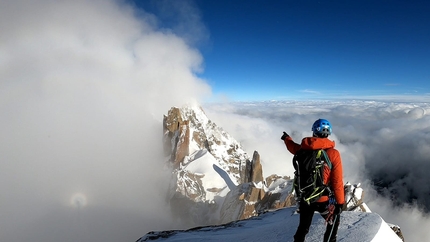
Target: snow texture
[
  {"x": 203, "y": 163},
  {"x": 280, "y": 225}
]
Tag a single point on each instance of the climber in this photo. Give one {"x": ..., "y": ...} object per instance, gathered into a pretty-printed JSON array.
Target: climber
[{"x": 330, "y": 204}]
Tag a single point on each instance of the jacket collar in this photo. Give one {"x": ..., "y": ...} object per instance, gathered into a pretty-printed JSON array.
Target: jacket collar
[{"x": 315, "y": 143}]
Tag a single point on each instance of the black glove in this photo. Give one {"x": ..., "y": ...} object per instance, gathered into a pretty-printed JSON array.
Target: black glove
[
  {"x": 285, "y": 135},
  {"x": 337, "y": 209}
]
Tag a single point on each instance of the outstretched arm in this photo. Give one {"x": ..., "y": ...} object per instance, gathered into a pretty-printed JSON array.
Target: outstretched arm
[{"x": 292, "y": 146}]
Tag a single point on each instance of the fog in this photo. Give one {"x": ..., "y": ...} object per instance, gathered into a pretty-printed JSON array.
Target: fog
[
  {"x": 83, "y": 89},
  {"x": 384, "y": 145}
]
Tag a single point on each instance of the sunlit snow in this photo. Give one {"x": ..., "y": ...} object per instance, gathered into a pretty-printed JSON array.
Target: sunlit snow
[{"x": 281, "y": 225}]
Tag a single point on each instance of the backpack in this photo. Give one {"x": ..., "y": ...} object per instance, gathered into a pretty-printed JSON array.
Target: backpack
[{"x": 308, "y": 177}]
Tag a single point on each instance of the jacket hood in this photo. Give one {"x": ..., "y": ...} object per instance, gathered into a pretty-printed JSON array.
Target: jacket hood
[{"x": 315, "y": 143}]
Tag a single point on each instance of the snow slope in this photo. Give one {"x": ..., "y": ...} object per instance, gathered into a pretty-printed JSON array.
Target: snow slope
[
  {"x": 280, "y": 225},
  {"x": 222, "y": 146},
  {"x": 203, "y": 163}
]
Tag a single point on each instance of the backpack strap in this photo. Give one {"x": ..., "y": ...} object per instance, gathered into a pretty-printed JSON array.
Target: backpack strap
[
  {"x": 319, "y": 154},
  {"x": 327, "y": 160}
]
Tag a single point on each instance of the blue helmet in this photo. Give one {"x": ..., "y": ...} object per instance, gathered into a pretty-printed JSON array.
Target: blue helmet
[{"x": 321, "y": 128}]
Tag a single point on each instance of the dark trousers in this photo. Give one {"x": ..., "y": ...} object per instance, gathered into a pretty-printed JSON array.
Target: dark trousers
[{"x": 306, "y": 215}]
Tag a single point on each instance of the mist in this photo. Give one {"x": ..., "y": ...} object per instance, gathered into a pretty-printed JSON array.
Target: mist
[
  {"x": 83, "y": 89},
  {"x": 384, "y": 145}
]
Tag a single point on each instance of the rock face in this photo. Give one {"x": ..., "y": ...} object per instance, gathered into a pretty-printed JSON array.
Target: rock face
[
  {"x": 254, "y": 197},
  {"x": 254, "y": 170},
  {"x": 251, "y": 199},
  {"x": 213, "y": 179}
]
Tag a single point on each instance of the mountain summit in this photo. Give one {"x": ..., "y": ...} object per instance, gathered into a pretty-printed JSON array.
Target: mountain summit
[
  {"x": 280, "y": 226},
  {"x": 215, "y": 183}
]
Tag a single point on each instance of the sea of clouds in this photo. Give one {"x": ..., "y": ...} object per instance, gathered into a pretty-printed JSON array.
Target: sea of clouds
[
  {"x": 83, "y": 88},
  {"x": 384, "y": 145}
]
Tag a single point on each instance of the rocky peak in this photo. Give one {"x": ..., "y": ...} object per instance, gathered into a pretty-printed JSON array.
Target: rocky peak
[
  {"x": 188, "y": 130},
  {"x": 211, "y": 169},
  {"x": 254, "y": 170}
]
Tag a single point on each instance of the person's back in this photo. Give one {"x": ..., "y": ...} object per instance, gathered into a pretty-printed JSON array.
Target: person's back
[{"x": 332, "y": 177}]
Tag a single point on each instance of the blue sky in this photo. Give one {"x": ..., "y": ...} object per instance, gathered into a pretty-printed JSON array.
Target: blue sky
[{"x": 261, "y": 50}]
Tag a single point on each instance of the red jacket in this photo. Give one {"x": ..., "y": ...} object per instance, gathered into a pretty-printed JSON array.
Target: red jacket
[{"x": 333, "y": 177}]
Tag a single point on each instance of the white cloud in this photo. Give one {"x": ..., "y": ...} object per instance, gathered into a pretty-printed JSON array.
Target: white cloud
[
  {"x": 83, "y": 87},
  {"x": 383, "y": 142},
  {"x": 308, "y": 91}
]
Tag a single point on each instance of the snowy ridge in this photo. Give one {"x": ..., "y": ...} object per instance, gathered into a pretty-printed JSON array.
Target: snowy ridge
[
  {"x": 223, "y": 147},
  {"x": 280, "y": 225}
]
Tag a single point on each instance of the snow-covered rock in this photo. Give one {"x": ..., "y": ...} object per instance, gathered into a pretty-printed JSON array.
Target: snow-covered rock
[
  {"x": 188, "y": 130},
  {"x": 211, "y": 172},
  {"x": 207, "y": 163},
  {"x": 354, "y": 195}
]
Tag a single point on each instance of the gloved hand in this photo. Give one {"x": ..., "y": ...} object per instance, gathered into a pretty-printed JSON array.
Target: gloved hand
[
  {"x": 285, "y": 135},
  {"x": 337, "y": 209}
]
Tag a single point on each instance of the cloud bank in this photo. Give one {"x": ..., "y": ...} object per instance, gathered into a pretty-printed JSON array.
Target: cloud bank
[
  {"x": 384, "y": 146},
  {"x": 83, "y": 88}
]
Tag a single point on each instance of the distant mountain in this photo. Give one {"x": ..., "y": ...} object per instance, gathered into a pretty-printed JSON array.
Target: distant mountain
[{"x": 214, "y": 181}]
